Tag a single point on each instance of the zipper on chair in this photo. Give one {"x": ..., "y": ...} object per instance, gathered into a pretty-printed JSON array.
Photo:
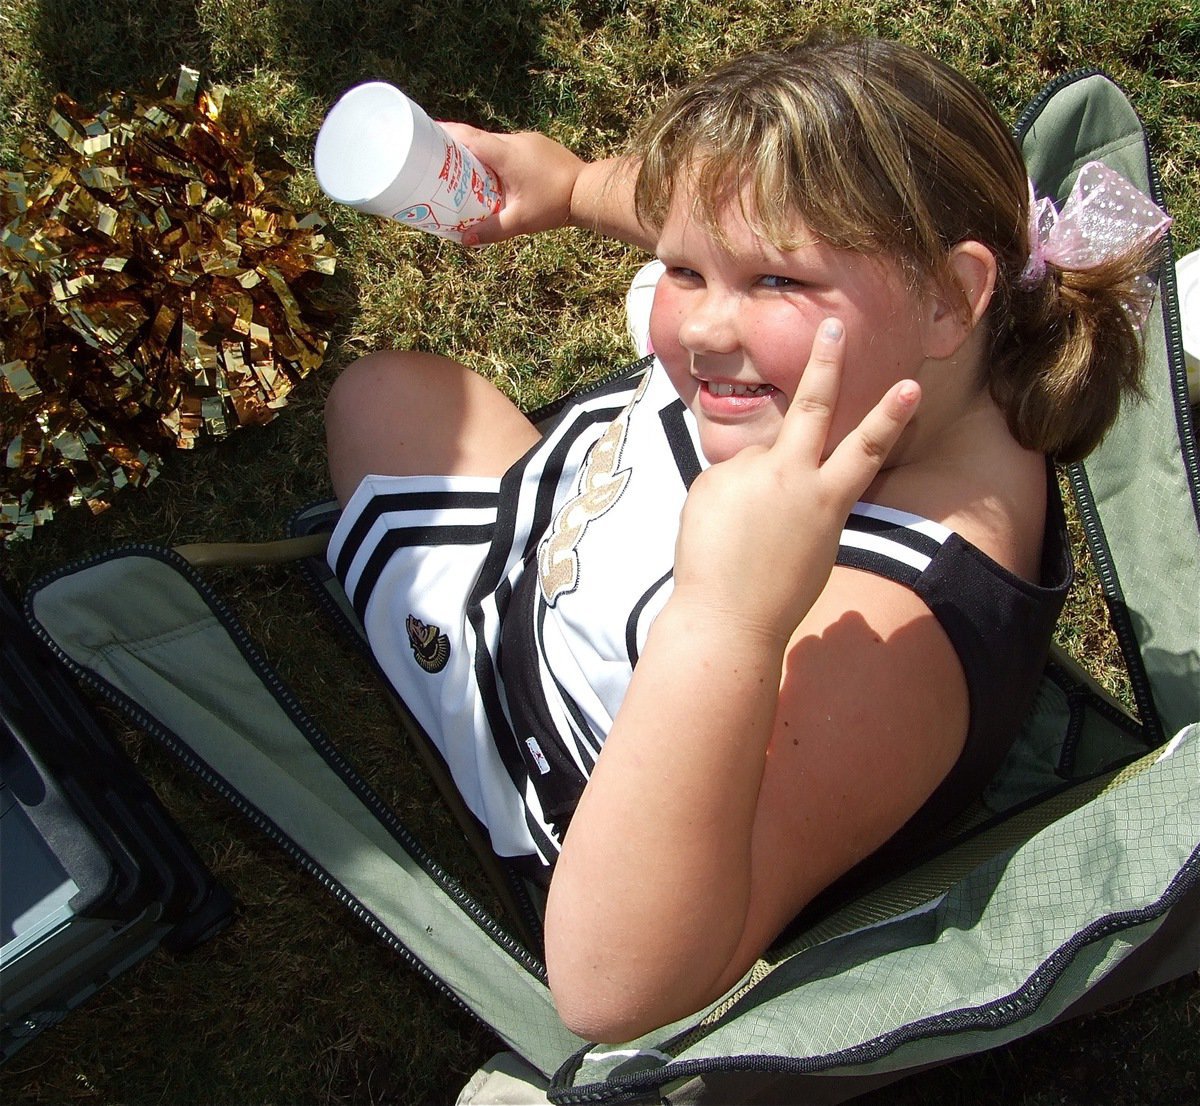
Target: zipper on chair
[{"x": 315, "y": 737}]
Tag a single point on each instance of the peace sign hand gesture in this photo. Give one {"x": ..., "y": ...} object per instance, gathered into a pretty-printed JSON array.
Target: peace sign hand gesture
[{"x": 759, "y": 532}]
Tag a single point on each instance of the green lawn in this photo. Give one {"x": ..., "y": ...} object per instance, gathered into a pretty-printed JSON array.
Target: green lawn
[{"x": 296, "y": 1002}]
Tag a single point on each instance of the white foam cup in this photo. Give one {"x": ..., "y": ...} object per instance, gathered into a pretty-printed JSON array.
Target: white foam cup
[{"x": 378, "y": 151}]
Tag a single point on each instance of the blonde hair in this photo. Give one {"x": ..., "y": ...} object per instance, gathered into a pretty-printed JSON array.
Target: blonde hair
[{"x": 881, "y": 149}]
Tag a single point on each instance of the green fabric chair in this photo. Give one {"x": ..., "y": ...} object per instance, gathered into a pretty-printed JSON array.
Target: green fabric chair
[{"x": 1075, "y": 882}]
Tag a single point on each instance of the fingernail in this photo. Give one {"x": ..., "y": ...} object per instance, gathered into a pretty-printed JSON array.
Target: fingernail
[{"x": 832, "y": 329}]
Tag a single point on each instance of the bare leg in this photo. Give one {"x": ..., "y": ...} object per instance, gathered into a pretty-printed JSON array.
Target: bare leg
[{"x": 416, "y": 414}]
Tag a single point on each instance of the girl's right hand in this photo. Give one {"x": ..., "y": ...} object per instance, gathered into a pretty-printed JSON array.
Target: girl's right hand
[
  {"x": 537, "y": 176},
  {"x": 759, "y": 531}
]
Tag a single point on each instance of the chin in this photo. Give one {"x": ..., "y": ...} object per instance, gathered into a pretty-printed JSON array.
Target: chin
[
  {"x": 715, "y": 453},
  {"x": 716, "y": 456},
  {"x": 720, "y": 445}
]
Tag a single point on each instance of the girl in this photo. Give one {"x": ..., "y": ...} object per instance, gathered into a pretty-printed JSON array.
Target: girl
[{"x": 779, "y": 603}]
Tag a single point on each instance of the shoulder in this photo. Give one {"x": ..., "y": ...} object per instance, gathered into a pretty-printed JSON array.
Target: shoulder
[
  {"x": 874, "y": 649},
  {"x": 872, "y": 715},
  {"x": 874, "y": 705}
]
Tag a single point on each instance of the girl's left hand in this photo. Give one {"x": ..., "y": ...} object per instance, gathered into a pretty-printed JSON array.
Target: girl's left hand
[{"x": 759, "y": 531}]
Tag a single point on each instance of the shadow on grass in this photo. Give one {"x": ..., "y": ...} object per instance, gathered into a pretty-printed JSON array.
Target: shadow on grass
[
  {"x": 471, "y": 59},
  {"x": 87, "y": 49}
]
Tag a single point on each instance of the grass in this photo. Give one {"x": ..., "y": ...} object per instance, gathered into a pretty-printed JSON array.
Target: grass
[{"x": 296, "y": 1003}]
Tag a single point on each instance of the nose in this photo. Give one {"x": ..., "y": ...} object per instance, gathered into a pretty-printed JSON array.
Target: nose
[{"x": 709, "y": 322}]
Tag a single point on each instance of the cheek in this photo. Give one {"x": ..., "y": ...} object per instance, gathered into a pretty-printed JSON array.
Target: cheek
[
  {"x": 780, "y": 344},
  {"x": 879, "y": 353},
  {"x": 664, "y": 340},
  {"x": 664, "y": 322}
]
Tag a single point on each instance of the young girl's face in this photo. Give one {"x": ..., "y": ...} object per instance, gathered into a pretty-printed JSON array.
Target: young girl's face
[{"x": 733, "y": 325}]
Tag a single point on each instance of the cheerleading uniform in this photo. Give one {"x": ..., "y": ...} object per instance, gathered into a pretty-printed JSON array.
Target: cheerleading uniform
[{"x": 508, "y": 613}]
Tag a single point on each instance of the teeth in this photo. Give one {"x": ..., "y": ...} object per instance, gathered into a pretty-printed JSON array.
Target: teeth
[{"x": 737, "y": 389}]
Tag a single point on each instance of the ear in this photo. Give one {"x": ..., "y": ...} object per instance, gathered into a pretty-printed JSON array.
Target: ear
[{"x": 954, "y": 313}]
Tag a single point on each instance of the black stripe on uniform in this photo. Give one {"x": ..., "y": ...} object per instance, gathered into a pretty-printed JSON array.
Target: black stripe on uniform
[
  {"x": 869, "y": 560},
  {"x": 679, "y": 439},
  {"x": 509, "y": 501},
  {"x": 380, "y": 505},
  {"x": 898, "y": 532},
  {"x": 503, "y": 737},
  {"x": 631, "y": 624},
  {"x": 491, "y": 583},
  {"x": 403, "y": 538},
  {"x": 587, "y": 741}
]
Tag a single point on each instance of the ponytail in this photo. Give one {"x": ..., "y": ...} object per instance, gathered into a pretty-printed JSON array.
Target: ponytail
[
  {"x": 1070, "y": 346},
  {"x": 1068, "y": 350}
]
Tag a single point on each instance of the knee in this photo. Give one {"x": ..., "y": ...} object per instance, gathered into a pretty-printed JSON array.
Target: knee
[
  {"x": 362, "y": 413},
  {"x": 408, "y": 413},
  {"x": 360, "y": 386}
]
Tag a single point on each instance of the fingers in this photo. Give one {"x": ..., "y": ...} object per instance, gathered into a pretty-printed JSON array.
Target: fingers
[
  {"x": 486, "y": 232},
  {"x": 806, "y": 423},
  {"x": 852, "y": 463},
  {"x": 489, "y": 149},
  {"x": 480, "y": 143},
  {"x": 537, "y": 176},
  {"x": 860, "y": 455}
]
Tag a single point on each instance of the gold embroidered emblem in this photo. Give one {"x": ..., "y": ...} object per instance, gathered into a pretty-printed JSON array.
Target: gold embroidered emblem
[
  {"x": 429, "y": 645},
  {"x": 600, "y": 486}
]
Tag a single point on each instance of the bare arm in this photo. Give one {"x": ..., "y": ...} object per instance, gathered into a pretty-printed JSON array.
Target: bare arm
[
  {"x": 546, "y": 186},
  {"x": 761, "y": 748},
  {"x": 603, "y": 202}
]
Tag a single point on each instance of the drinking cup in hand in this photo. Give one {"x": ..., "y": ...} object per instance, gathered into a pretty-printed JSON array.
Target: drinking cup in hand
[{"x": 378, "y": 151}]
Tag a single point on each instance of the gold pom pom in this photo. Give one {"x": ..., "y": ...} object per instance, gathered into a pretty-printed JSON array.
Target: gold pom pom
[{"x": 155, "y": 291}]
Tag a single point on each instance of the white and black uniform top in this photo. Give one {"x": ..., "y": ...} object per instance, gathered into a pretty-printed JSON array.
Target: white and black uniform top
[{"x": 508, "y": 613}]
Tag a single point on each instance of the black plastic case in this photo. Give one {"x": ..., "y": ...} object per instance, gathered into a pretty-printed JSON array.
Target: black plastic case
[{"x": 94, "y": 873}]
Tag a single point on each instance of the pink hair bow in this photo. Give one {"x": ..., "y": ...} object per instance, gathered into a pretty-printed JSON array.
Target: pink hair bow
[{"x": 1103, "y": 217}]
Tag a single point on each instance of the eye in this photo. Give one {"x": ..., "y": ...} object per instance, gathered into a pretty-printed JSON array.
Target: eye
[
  {"x": 682, "y": 272},
  {"x": 774, "y": 280}
]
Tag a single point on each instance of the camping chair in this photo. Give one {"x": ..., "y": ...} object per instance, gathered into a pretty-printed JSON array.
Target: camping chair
[{"x": 1075, "y": 881}]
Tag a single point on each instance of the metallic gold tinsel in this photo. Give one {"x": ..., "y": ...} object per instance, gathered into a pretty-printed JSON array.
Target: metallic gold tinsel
[{"x": 155, "y": 291}]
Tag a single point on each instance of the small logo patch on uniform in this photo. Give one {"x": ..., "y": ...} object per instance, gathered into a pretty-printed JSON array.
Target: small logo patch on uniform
[
  {"x": 539, "y": 757},
  {"x": 429, "y": 645}
]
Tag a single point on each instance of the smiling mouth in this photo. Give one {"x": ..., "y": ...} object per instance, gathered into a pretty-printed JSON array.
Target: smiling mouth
[{"x": 723, "y": 390}]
